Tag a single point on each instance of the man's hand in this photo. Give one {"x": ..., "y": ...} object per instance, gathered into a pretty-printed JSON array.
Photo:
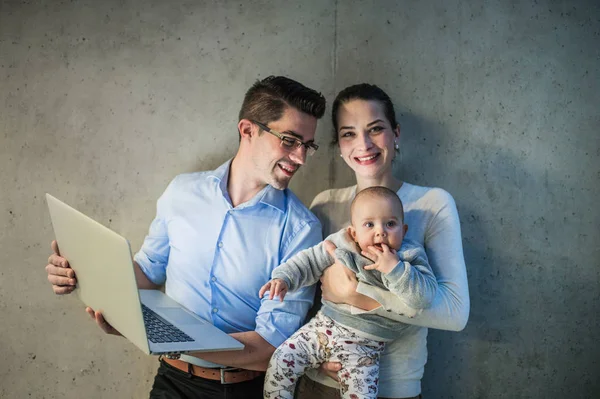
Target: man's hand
[
  {"x": 330, "y": 369},
  {"x": 385, "y": 259},
  {"x": 103, "y": 324},
  {"x": 276, "y": 287},
  {"x": 60, "y": 274}
]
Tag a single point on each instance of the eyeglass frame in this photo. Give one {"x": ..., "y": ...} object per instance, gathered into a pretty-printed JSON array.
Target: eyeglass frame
[{"x": 311, "y": 148}]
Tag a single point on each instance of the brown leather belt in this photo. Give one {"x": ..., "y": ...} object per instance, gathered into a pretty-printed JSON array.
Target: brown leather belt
[{"x": 225, "y": 376}]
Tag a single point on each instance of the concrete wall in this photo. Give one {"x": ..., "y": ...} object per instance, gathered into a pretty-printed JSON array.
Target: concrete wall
[{"x": 102, "y": 103}]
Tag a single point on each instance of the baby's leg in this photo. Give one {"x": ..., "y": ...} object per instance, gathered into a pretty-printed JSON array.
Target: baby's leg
[
  {"x": 359, "y": 356},
  {"x": 290, "y": 360}
]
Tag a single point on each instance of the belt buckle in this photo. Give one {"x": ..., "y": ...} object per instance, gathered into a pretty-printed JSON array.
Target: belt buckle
[{"x": 222, "y": 370}]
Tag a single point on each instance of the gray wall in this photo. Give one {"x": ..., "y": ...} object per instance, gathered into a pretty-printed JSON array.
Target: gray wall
[{"x": 102, "y": 103}]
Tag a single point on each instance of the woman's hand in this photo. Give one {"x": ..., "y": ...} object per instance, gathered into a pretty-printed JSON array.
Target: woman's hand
[{"x": 338, "y": 284}]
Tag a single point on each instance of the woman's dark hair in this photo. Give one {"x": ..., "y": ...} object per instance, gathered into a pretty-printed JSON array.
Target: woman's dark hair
[
  {"x": 362, "y": 91},
  {"x": 267, "y": 99}
]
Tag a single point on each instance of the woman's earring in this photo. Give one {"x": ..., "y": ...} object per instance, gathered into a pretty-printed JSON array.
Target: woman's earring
[
  {"x": 396, "y": 146},
  {"x": 341, "y": 156}
]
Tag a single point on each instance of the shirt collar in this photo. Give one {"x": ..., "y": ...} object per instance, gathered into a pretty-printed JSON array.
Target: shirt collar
[{"x": 269, "y": 196}]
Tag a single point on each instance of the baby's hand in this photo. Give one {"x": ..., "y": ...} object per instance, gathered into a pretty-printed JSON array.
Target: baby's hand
[
  {"x": 385, "y": 259},
  {"x": 276, "y": 287}
]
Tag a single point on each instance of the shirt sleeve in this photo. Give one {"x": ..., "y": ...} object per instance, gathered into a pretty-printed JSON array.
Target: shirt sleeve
[
  {"x": 307, "y": 266},
  {"x": 412, "y": 280},
  {"x": 443, "y": 244},
  {"x": 154, "y": 253},
  {"x": 276, "y": 320}
]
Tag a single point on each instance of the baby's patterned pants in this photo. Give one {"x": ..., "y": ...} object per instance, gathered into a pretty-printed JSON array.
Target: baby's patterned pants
[{"x": 323, "y": 340}]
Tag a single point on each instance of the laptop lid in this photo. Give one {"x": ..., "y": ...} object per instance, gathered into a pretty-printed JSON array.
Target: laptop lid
[{"x": 102, "y": 262}]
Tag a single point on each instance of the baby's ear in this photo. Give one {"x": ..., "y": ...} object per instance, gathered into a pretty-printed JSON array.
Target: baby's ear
[{"x": 351, "y": 232}]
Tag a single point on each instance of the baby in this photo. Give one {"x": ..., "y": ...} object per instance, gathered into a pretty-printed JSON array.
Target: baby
[{"x": 339, "y": 332}]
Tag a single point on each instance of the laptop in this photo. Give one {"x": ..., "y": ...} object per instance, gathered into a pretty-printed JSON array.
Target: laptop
[{"x": 103, "y": 264}]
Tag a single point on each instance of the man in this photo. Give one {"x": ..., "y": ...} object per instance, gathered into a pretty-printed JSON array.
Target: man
[{"x": 217, "y": 236}]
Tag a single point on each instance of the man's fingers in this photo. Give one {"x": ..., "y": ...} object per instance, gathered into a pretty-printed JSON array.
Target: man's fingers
[
  {"x": 332, "y": 366},
  {"x": 54, "y": 270},
  {"x": 371, "y": 267},
  {"x": 104, "y": 325},
  {"x": 55, "y": 258},
  {"x": 62, "y": 290},
  {"x": 60, "y": 275},
  {"x": 61, "y": 281},
  {"x": 331, "y": 369},
  {"x": 54, "y": 246},
  {"x": 58, "y": 260}
]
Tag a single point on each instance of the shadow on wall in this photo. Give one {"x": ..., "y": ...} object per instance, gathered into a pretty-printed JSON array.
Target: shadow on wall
[
  {"x": 429, "y": 158},
  {"x": 531, "y": 301}
]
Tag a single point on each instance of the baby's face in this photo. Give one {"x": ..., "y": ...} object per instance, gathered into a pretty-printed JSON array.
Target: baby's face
[{"x": 377, "y": 220}]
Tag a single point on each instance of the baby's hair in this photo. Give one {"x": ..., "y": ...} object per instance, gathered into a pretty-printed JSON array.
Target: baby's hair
[{"x": 381, "y": 192}]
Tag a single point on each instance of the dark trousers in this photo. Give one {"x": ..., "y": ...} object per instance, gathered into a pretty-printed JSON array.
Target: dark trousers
[
  {"x": 173, "y": 383},
  {"x": 309, "y": 389}
]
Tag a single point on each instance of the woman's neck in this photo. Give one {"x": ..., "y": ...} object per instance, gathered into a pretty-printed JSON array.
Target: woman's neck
[{"x": 388, "y": 181}]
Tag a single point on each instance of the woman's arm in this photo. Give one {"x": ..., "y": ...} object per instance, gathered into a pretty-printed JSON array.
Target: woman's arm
[
  {"x": 450, "y": 307},
  {"x": 443, "y": 244},
  {"x": 338, "y": 285}
]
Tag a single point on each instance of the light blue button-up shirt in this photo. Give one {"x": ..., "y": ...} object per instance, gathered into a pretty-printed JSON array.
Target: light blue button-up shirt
[{"x": 214, "y": 258}]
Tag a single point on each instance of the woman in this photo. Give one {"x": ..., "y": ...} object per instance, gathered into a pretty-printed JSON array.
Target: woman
[{"x": 367, "y": 134}]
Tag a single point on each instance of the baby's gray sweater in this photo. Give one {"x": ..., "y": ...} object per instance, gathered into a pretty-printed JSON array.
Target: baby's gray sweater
[{"x": 411, "y": 280}]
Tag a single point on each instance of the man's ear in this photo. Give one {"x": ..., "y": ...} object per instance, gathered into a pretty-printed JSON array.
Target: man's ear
[
  {"x": 405, "y": 230},
  {"x": 247, "y": 129}
]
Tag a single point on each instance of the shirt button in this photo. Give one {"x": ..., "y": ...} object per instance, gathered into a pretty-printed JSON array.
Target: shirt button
[
  {"x": 221, "y": 244},
  {"x": 215, "y": 310},
  {"x": 214, "y": 279}
]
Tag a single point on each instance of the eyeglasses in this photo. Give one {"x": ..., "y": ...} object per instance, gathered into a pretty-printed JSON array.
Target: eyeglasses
[{"x": 289, "y": 143}]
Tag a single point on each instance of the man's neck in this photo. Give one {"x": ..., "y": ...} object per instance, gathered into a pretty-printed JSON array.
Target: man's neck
[{"x": 241, "y": 186}]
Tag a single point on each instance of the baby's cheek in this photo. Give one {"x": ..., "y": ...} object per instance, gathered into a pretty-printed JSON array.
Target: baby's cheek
[{"x": 365, "y": 243}]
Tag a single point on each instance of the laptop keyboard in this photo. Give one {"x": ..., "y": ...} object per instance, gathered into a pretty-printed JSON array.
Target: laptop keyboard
[{"x": 160, "y": 331}]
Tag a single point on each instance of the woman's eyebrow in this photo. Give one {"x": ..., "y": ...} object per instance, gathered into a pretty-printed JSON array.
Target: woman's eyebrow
[
  {"x": 369, "y": 124},
  {"x": 374, "y": 122}
]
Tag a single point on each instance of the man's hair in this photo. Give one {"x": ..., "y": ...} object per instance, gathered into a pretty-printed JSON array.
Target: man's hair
[
  {"x": 267, "y": 100},
  {"x": 366, "y": 92},
  {"x": 381, "y": 192}
]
